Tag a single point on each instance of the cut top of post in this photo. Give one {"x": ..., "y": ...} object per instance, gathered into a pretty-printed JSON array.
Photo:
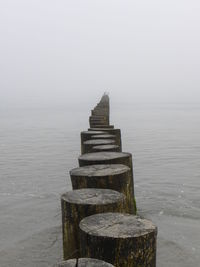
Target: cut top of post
[
  {"x": 100, "y": 170},
  {"x": 104, "y": 156},
  {"x": 117, "y": 225},
  {"x": 92, "y": 196},
  {"x": 84, "y": 262}
]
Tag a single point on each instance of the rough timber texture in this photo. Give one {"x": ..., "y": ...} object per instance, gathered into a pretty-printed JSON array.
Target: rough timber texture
[
  {"x": 78, "y": 204},
  {"x": 116, "y": 132},
  {"x": 123, "y": 240},
  {"x": 89, "y": 144},
  {"x": 112, "y": 176},
  {"x": 110, "y": 158},
  {"x": 106, "y": 148},
  {"x": 84, "y": 262},
  {"x": 87, "y": 135}
]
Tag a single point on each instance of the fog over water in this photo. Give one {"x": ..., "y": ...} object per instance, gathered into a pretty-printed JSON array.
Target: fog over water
[
  {"x": 136, "y": 50},
  {"x": 57, "y": 59}
]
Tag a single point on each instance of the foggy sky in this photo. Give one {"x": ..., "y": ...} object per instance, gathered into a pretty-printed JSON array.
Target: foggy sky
[{"x": 54, "y": 52}]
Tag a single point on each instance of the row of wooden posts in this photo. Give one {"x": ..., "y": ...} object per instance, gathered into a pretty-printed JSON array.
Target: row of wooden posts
[{"x": 99, "y": 216}]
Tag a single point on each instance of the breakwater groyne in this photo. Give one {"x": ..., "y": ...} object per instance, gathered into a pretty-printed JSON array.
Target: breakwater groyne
[{"x": 100, "y": 224}]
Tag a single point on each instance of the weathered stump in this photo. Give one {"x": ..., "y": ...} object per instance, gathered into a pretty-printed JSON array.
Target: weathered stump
[
  {"x": 78, "y": 204},
  {"x": 112, "y": 176},
  {"x": 123, "y": 240},
  {"x": 116, "y": 132},
  {"x": 88, "y": 145},
  {"x": 86, "y": 135},
  {"x": 109, "y": 158},
  {"x": 84, "y": 262},
  {"x": 106, "y": 148}
]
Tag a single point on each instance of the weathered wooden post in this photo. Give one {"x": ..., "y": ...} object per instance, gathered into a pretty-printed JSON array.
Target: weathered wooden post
[
  {"x": 116, "y": 132},
  {"x": 111, "y": 176},
  {"x": 86, "y": 135},
  {"x": 106, "y": 148},
  {"x": 89, "y": 144},
  {"x": 78, "y": 204},
  {"x": 99, "y": 126},
  {"x": 103, "y": 136},
  {"x": 84, "y": 262},
  {"x": 110, "y": 158},
  {"x": 123, "y": 240}
]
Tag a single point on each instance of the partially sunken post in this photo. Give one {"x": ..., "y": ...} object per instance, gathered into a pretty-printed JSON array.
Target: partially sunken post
[
  {"x": 120, "y": 239},
  {"x": 78, "y": 204}
]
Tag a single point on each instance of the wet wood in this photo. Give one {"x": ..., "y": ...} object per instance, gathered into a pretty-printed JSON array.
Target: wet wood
[
  {"x": 123, "y": 240},
  {"x": 78, "y": 204},
  {"x": 89, "y": 144},
  {"x": 112, "y": 176},
  {"x": 84, "y": 262}
]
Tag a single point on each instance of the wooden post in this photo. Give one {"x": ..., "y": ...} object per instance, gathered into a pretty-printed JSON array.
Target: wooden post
[
  {"x": 78, "y": 204},
  {"x": 104, "y": 126},
  {"x": 86, "y": 135},
  {"x": 103, "y": 136},
  {"x": 89, "y": 144},
  {"x": 116, "y": 132},
  {"x": 123, "y": 240},
  {"x": 112, "y": 176},
  {"x": 109, "y": 158},
  {"x": 84, "y": 262},
  {"x": 106, "y": 148}
]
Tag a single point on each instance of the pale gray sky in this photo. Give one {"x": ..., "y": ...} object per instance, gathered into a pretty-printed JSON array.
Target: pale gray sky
[{"x": 137, "y": 50}]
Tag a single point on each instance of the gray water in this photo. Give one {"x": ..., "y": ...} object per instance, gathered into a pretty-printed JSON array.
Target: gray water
[{"x": 39, "y": 147}]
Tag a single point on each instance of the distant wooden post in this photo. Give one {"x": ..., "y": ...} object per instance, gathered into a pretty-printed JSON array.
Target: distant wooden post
[
  {"x": 120, "y": 239},
  {"x": 89, "y": 144},
  {"x": 78, "y": 204},
  {"x": 87, "y": 135},
  {"x": 116, "y": 132},
  {"x": 106, "y": 148}
]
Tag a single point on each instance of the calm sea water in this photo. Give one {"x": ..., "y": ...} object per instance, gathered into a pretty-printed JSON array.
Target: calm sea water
[{"x": 39, "y": 147}]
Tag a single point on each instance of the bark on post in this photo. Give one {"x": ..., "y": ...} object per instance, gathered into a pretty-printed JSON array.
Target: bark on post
[
  {"x": 106, "y": 148},
  {"x": 84, "y": 262},
  {"x": 123, "y": 240},
  {"x": 78, "y": 204},
  {"x": 89, "y": 144},
  {"x": 111, "y": 176},
  {"x": 116, "y": 132}
]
